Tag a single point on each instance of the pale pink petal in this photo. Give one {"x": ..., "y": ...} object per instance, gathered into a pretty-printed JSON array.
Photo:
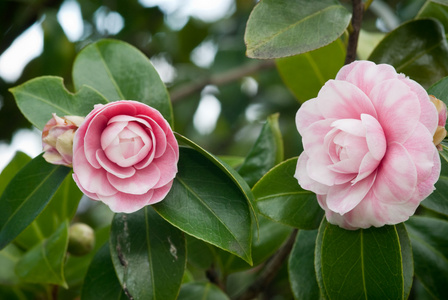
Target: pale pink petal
[
  {"x": 343, "y": 100},
  {"x": 304, "y": 180},
  {"x": 398, "y": 109},
  {"x": 307, "y": 115},
  {"x": 368, "y": 166},
  {"x": 426, "y": 187},
  {"x": 145, "y": 161},
  {"x": 160, "y": 193},
  {"x": 171, "y": 140},
  {"x": 160, "y": 139},
  {"x": 127, "y": 119},
  {"x": 113, "y": 168},
  {"x": 144, "y": 110},
  {"x": 376, "y": 141},
  {"x": 87, "y": 193},
  {"x": 352, "y": 126},
  {"x": 318, "y": 170},
  {"x": 110, "y": 133},
  {"x": 313, "y": 137},
  {"x": 140, "y": 183},
  {"x": 92, "y": 140},
  {"x": 396, "y": 179},
  {"x": 167, "y": 164},
  {"x": 127, "y": 203},
  {"x": 344, "y": 197}
]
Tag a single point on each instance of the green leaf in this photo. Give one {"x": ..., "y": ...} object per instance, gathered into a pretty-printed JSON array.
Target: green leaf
[
  {"x": 149, "y": 255},
  {"x": 200, "y": 254},
  {"x": 265, "y": 153},
  {"x": 440, "y": 91},
  {"x": 306, "y": 73},
  {"x": 19, "y": 160},
  {"x": 407, "y": 259},
  {"x": 206, "y": 203},
  {"x": 203, "y": 291},
  {"x": 101, "y": 282},
  {"x": 38, "y": 98},
  {"x": 9, "y": 256},
  {"x": 44, "y": 263},
  {"x": 62, "y": 206},
  {"x": 435, "y": 9},
  {"x": 280, "y": 28},
  {"x": 418, "y": 49},
  {"x": 279, "y": 197},
  {"x": 120, "y": 71},
  {"x": 429, "y": 238},
  {"x": 318, "y": 259},
  {"x": 302, "y": 276},
  {"x": 27, "y": 195},
  {"x": 365, "y": 263}
]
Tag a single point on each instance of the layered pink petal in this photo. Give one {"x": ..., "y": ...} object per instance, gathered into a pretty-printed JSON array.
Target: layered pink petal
[
  {"x": 113, "y": 168},
  {"x": 307, "y": 115},
  {"x": 140, "y": 183},
  {"x": 304, "y": 180},
  {"x": 376, "y": 141},
  {"x": 167, "y": 167},
  {"x": 160, "y": 193},
  {"x": 128, "y": 203}
]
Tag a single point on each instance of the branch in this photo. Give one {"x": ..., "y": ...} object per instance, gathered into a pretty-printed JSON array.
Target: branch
[
  {"x": 271, "y": 269},
  {"x": 221, "y": 79},
  {"x": 358, "y": 11}
]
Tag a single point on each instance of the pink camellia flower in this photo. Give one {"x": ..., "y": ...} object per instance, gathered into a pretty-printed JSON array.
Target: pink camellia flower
[
  {"x": 440, "y": 133},
  {"x": 368, "y": 146},
  {"x": 57, "y": 139},
  {"x": 125, "y": 155}
]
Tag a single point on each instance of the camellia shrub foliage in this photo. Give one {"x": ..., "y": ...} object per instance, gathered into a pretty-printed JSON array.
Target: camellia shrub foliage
[{"x": 361, "y": 212}]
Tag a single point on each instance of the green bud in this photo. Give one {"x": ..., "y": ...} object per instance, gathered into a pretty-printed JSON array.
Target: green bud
[{"x": 81, "y": 239}]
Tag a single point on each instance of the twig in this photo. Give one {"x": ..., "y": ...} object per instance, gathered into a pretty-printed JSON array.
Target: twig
[
  {"x": 221, "y": 79},
  {"x": 358, "y": 11},
  {"x": 270, "y": 270}
]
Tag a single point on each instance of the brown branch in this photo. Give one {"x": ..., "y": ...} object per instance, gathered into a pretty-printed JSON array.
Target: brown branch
[
  {"x": 221, "y": 79},
  {"x": 270, "y": 270},
  {"x": 358, "y": 11}
]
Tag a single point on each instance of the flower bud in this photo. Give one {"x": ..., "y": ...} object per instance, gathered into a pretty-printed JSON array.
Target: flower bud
[
  {"x": 81, "y": 239},
  {"x": 440, "y": 133},
  {"x": 57, "y": 139}
]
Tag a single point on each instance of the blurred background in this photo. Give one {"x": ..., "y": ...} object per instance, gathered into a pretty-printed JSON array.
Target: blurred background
[{"x": 220, "y": 97}]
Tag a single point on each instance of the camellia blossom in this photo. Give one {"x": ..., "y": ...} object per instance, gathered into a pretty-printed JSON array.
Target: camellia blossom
[
  {"x": 57, "y": 139},
  {"x": 125, "y": 155},
  {"x": 368, "y": 146},
  {"x": 440, "y": 133}
]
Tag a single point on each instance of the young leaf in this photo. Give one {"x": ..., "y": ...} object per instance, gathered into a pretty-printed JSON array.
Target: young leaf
[
  {"x": 19, "y": 160},
  {"x": 203, "y": 291},
  {"x": 265, "y": 154},
  {"x": 27, "y": 195},
  {"x": 364, "y": 263},
  {"x": 205, "y": 202},
  {"x": 44, "y": 263},
  {"x": 120, "y": 71},
  {"x": 280, "y": 198},
  {"x": 149, "y": 255},
  {"x": 38, "y": 98},
  {"x": 101, "y": 282},
  {"x": 302, "y": 276},
  {"x": 306, "y": 73},
  {"x": 411, "y": 46},
  {"x": 429, "y": 239},
  {"x": 280, "y": 28}
]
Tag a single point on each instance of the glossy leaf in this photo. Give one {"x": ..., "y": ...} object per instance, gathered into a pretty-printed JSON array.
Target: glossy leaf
[
  {"x": 318, "y": 259},
  {"x": 435, "y": 9},
  {"x": 407, "y": 259},
  {"x": 149, "y": 255},
  {"x": 302, "y": 276},
  {"x": 265, "y": 153},
  {"x": 418, "y": 49},
  {"x": 38, "y": 98},
  {"x": 306, "y": 73},
  {"x": 365, "y": 263},
  {"x": 429, "y": 238},
  {"x": 101, "y": 282},
  {"x": 27, "y": 195},
  {"x": 285, "y": 28},
  {"x": 120, "y": 71},
  {"x": 44, "y": 262},
  {"x": 62, "y": 206},
  {"x": 200, "y": 254},
  {"x": 19, "y": 160},
  {"x": 280, "y": 198},
  {"x": 203, "y": 291}
]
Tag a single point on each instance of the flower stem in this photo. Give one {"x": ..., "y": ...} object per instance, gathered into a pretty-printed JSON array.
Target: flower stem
[{"x": 358, "y": 11}]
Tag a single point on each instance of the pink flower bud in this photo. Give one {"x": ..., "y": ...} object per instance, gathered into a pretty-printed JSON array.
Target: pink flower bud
[
  {"x": 57, "y": 139},
  {"x": 440, "y": 133}
]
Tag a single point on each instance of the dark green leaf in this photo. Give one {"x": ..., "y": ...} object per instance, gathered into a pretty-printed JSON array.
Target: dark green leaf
[
  {"x": 435, "y": 9},
  {"x": 302, "y": 276},
  {"x": 19, "y": 160},
  {"x": 203, "y": 291},
  {"x": 306, "y": 73},
  {"x": 27, "y": 195},
  {"x": 38, "y": 98},
  {"x": 440, "y": 91},
  {"x": 44, "y": 263},
  {"x": 279, "y": 28},
  {"x": 207, "y": 204},
  {"x": 120, "y": 71},
  {"x": 318, "y": 259},
  {"x": 62, "y": 206},
  {"x": 406, "y": 257},
  {"x": 429, "y": 238},
  {"x": 200, "y": 253},
  {"x": 101, "y": 282},
  {"x": 365, "y": 263},
  {"x": 280, "y": 198},
  {"x": 149, "y": 255},
  {"x": 265, "y": 154},
  {"x": 9, "y": 256},
  {"x": 418, "y": 49}
]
